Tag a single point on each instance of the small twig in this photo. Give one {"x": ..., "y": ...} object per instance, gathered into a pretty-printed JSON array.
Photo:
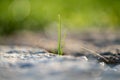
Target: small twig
[{"x": 95, "y": 53}]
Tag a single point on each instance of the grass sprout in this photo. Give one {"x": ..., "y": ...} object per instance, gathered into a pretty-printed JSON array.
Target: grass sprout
[
  {"x": 60, "y": 51},
  {"x": 61, "y": 42}
]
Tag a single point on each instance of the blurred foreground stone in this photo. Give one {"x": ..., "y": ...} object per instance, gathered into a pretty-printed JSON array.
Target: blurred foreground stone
[{"x": 32, "y": 63}]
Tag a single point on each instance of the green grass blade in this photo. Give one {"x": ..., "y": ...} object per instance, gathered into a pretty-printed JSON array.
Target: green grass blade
[{"x": 59, "y": 35}]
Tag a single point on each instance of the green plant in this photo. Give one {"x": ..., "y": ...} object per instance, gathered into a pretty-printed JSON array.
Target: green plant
[{"x": 60, "y": 52}]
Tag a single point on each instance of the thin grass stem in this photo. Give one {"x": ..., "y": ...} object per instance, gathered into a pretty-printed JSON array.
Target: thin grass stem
[{"x": 59, "y": 35}]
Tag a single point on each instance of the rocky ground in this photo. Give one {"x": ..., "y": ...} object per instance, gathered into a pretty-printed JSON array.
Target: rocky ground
[
  {"x": 30, "y": 63},
  {"x": 86, "y": 57}
]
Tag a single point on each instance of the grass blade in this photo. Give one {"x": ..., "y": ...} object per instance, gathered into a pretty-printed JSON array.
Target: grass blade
[{"x": 59, "y": 35}]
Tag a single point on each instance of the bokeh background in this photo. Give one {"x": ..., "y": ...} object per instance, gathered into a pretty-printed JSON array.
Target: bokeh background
[{"x": 36, "y": 15}]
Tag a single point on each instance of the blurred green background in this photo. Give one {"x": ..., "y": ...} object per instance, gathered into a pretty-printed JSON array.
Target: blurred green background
[{"x": 35, "y": 15}]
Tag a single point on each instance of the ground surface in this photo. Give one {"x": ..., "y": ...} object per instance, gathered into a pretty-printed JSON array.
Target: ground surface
[
  {"x": 30, "y": 63},
  {"x": 22, "y": 56}
]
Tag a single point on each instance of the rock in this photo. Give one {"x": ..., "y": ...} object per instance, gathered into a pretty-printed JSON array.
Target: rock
[{"x": 30, "y": 63}]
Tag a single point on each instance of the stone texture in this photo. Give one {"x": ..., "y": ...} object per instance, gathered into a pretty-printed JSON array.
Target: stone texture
[{"x": 31, "y": 63}]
